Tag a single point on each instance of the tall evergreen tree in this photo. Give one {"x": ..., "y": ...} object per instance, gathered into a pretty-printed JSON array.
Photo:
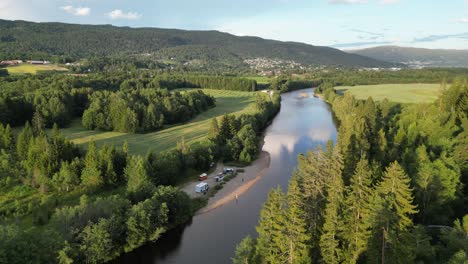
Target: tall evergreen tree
[
  {"x": 390, "y": 218},
  {"x": 139, "y": 185},
  {"x": 91, "y": 176},
  {"x": 270, "y": 226},
  {"x": 296, "y": 238},
  {"x": 357, "y": 211},
  {"x": 329, "y": 240},
  {"x": 23, "y": 141}
]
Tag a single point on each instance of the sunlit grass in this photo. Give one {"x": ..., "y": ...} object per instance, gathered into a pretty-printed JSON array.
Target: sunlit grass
[
  {"x": 400, "y": 93},
  {"x": 25, "y": 68}
]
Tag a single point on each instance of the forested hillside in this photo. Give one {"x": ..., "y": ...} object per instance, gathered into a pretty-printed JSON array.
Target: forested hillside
[
  {"x": 417, "y": 57},
  {"x": 26, "y": 40},
  {"x": 392, "y": 190}
]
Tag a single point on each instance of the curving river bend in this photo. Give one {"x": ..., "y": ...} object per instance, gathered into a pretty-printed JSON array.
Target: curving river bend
[{"x": 303, "y": 123}]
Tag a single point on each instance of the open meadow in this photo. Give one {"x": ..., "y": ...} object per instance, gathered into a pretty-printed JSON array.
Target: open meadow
[
  {"x": 227, "y": 102},
  {"x": 25, "y": 68},
  {"x": 399, "y": 93}
]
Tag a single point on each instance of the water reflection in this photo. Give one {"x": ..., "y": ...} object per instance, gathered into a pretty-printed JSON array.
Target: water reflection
[{"x": 303, "y": 123}]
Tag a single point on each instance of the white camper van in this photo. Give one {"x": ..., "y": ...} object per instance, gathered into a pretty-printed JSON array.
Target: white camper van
[{"x": 201, "y": 187}]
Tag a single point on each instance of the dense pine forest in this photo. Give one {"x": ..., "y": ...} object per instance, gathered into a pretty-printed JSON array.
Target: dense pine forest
[{"x": 392, "y": 189}]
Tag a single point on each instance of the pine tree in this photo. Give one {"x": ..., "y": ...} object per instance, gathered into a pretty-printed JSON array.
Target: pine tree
[
  {"x": 139, "y": 185},
  {"x": 329, "y": 240},
  {"x": 311, "y": 169},
  {"x": 245, "y": 251},
  {"x": 270, "y": 227},
  {"x": 391, "y": 213},
  {"x": 357, "y": 212},
  {"x": 91, "y": 176},
  {"x": 38, "y": 124},
  {"x": 24, "y": 139},
  {"x": 297, "y": 237}
]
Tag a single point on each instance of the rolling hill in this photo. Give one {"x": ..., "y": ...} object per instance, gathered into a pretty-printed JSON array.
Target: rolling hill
[
  {"x": 417, "y": 57},
  {"x": 28, "y": 39}
]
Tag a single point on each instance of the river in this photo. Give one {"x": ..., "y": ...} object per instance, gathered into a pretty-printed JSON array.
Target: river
[{"x": 303, "y": 123}]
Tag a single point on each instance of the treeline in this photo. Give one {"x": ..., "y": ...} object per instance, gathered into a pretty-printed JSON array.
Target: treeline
[
  {"x": 392, "y": 190},
  {"x": 61, "y": 98},
  {"x": 367, "y": 77},
  {"x": 143, "y": 110},
  {"x": 173, "y": 81},
  {"x": 348, "y": 77},
  {"x": 285, "y": 84}
]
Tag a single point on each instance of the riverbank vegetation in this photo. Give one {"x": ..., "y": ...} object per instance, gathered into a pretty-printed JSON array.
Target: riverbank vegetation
[{"x": 392, "y": 189}]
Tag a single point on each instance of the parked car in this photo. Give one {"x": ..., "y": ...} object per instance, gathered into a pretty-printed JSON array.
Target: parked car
[
  {"x": 202, "y": 187},
  {"x": 229, "y": 170},
  {"x": 203, "y": 177},
  {"x": 219, "y": 178}
]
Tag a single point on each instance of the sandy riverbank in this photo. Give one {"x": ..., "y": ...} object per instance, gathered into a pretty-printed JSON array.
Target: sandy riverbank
[{"x": 235, "y": 187}]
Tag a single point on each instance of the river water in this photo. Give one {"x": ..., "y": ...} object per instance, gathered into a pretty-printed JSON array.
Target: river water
[{"x": 303, "y": 123}]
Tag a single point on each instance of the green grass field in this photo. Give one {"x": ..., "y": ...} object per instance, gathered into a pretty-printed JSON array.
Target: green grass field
[
  {"x": 226, "y": 102},
  {"x": 33, "y": 69},
  {"x": 400, "y": 93}
]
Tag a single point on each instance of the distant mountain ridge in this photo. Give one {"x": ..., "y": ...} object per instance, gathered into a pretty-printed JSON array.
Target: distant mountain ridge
[
  {"x": 417, "y": 57},
  {"x": 22, "y": 37}
]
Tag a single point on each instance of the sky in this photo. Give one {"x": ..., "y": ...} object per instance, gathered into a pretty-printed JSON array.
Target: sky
[{"x": 343, "y": 24}]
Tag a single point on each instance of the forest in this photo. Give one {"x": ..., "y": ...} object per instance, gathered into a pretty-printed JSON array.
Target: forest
[
  {"x": 63, "y": 204},
  {"x": 61, "y": 98},
  {"x": 392, "y": 190},
  {"x": 142, "y": 110}
]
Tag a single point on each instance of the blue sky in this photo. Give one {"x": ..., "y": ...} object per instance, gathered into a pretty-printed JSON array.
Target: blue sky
[{"x": 344, "y": 24}]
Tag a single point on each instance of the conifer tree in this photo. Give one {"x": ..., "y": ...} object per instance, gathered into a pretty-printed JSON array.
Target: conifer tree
[
  {"x": 333, "y": 224},
  {"x": 297, "y": 237},
  {"x": 139, "y": 185},
  {"x": 391, "y": 213},
  {"x": 270, "y": 226},
  {"x": 38, "y": 124},
  {"x": 23, "y": 141},
  {"x": 357, "y": 211},
  {"x": 91, "y": 176}
]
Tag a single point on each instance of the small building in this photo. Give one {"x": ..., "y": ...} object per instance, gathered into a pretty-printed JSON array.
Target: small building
[
  {"x": 37, "y": 62},
  {"x": 202, "y": 187},
  {"x": 9, "y": 63}
]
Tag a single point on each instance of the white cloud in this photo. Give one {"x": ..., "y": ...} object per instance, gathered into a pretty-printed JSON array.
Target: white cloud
[
  {"x": 119, "y": 14},
  {"x": 347, "y": 1},
  {"x": 463, "y": 20},
  {"x": 77, "y": 11}
]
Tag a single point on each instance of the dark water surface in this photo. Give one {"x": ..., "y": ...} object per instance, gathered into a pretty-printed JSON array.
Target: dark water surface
[{"x": 303, "y": 123}]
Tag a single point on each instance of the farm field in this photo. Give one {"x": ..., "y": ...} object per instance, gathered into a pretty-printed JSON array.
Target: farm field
[
  {"x": 33, "y": 69},
  {"x": 400, "y": 93},
  {"x": 226, "y": 102}
]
